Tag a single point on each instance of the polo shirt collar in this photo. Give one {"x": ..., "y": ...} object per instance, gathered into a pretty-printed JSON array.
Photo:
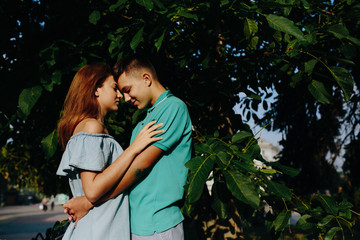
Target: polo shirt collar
[{"x": 162, "y": 97}]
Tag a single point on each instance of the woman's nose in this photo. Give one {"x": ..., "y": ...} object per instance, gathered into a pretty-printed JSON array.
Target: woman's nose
[{"x": 119, "y": 94}]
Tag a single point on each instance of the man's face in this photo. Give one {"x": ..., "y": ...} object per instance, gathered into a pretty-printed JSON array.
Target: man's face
[{"x": 134, "y": 88}]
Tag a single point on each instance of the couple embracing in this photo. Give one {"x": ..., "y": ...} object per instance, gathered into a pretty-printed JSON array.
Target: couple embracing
[{"x": 132, "y": 193}]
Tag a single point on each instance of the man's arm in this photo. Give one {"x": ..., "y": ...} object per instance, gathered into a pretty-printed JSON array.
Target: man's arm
[{"x": 80, "y": 206}]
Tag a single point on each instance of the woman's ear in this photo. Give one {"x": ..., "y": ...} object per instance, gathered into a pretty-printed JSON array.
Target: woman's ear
[{"x": 96, "y": 93}]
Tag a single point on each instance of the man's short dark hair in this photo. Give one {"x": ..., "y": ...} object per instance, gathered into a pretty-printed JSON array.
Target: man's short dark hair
[{"x": 130, "y": 63}]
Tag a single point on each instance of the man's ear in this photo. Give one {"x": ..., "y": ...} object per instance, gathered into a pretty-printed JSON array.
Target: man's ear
[{"x": 148, "y": 79}]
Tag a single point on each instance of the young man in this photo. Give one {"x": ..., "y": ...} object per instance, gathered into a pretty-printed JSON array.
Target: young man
[{"x": 153, "y": 210}]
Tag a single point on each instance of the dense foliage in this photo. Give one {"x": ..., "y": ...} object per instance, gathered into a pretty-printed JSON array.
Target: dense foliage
[{"x": 206, "y": 52}]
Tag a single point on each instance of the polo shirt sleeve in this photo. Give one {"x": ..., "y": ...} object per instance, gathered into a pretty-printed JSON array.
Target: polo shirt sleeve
[{"x": 176, "y": 119}]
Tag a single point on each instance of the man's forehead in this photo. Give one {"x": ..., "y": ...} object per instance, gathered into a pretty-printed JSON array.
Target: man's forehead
[{"x": 125, "y": 82}]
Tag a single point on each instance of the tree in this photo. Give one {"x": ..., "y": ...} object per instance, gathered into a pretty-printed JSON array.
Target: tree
[{"x": 316, "y": 131}]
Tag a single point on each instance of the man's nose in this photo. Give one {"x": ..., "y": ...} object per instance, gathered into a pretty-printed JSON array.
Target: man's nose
[{"x": 126, "y": 97}]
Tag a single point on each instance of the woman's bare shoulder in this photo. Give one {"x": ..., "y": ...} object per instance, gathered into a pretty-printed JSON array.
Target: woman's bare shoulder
[{"x": 90, "y": 125}]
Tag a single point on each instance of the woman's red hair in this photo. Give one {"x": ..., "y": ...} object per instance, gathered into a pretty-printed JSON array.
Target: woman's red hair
[{"x": 80, "y": 101}]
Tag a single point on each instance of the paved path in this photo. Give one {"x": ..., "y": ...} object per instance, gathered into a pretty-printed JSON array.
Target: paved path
[{"x": 25, "y": 222}]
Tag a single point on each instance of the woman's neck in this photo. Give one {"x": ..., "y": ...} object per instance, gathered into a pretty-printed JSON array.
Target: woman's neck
[{"x": 101, "y": 117}]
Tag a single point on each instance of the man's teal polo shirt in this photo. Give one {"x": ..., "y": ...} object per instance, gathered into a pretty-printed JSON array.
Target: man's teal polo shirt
[{"x": 152, "y": 200}]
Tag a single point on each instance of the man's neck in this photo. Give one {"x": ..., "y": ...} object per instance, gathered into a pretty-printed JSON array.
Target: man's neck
[{"x": 157, "y": 91}]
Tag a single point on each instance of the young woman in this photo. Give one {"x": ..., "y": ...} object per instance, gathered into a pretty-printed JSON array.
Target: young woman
[{"x": 93, "y": 161}]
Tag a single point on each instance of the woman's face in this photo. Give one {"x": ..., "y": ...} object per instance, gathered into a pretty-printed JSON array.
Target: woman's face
[{"x": 108, "y": 95}]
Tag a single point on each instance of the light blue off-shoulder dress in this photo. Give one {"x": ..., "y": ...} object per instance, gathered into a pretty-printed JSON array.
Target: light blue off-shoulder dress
[{"x": 94, "y": 152}]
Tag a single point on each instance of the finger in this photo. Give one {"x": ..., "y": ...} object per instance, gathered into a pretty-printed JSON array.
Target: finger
[
  {"x": 156, "y": 126},
  {"x": 65, "y": 210},
  {"x": 67, "y": 204},
  {"x": 154, "y": 139},
  {"x": 149, "y": 124},
  {"x": 156, "y": 132}
]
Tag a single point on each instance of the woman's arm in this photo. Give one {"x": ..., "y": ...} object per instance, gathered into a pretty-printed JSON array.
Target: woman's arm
[
  {"x": 79, "y": 207},
  {"x": 96, "y": 184},
  {"x": 136, "y": 171}
]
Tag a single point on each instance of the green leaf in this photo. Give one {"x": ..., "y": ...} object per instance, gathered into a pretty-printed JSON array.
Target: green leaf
[
  {"x": 268, "y": 170},
  {"x": 202, "y": 148},
  {"x": 317, "y": 212},
  {"x": 187, "y": 208},
  {"x": 188, "y": 15},
  {"x": 345, "y": 205},
  {"x": 309, "y": 66},
  {"x": 344, "y": 79},
  {"x": 220, "y": 207},
  {"x": 250, "y": 28},
  {"x": 255, "y": 97},
  {"x": 254, "y": 151},
  {"x": 339, "y": 31},
  {"x": 94, "y": 17},
  {"x": 160, "y": 5},
  {"x": 285, "y": 169},
  {"x": 306, "y": 4},
  {"x": 303, "y": 224},
  {"x": 56, "y": 77},
  {"x": 311, "y": 38},
  {"x": 354, "y": 40},
  {"x": 331, "y": 233},
  {"x": 148, "y": 4},
  {"x": 328, "y": 203},
  {"x": 278, "y": 36},
  {"x": 158, "y": 42},
  {"x": 302, "y": 207},
  {"x": 49, "y": 144},
  {"x": 240, "y": 136},
  {"x": 200, "y": 168},
  {"x": 279, "y": 190},
  {"x": 287, "y": 11},
  {"x": 112, "y": 46},
  {"x": 285, "y": 25},
  {"x": 317, "y": 89},
  {"x": 282, "y": 220},
  {"x": 292, "y": 48},
  {"x": 242, "y": 187},
  {"x": 224, "y": 157},
  {"x": 137, "y": 39},
  {"x": 48, "y": 87},
  {"x": 325, "y": 221},
  {"x": 253, "y": 43},
  {"x": 115, "y": 6},
  {"x": 297, "y": 77},
  {"x": 292, "y": 44},
  {"x": 4, "y": 152},
  {"x": 27, "y": 99},
  {"x": 345, "y": 213},
  {"x": 247, "y": 167}
]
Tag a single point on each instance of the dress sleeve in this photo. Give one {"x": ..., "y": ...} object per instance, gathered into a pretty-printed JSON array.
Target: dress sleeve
[{"x": 85, "y": 152}]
